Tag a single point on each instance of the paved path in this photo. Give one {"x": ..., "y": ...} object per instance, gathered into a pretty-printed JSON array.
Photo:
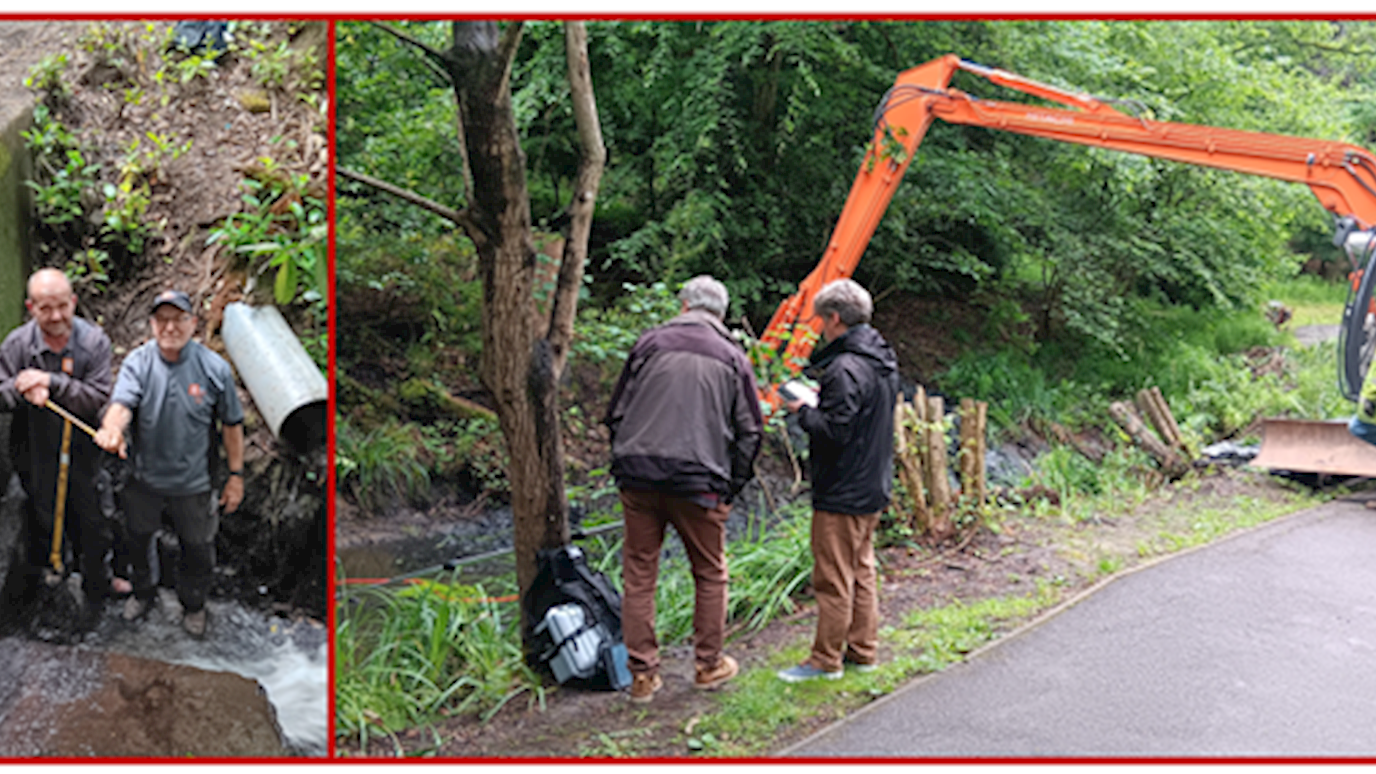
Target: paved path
[{"x": 1261, "y": 645}]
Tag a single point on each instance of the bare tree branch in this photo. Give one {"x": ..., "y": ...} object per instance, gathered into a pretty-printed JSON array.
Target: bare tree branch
[
  {"x": 436, "y": 60},
  {"x": 592, "y": 160},
  {"x": 457, "y": 217},
  {"x": 511, "y": 38}
]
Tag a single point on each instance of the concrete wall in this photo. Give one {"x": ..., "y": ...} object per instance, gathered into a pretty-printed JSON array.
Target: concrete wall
[{"x": 14, "y": 213}]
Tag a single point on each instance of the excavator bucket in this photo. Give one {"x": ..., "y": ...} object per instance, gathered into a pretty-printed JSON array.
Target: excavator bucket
[{"x": 1309, "y": 446}]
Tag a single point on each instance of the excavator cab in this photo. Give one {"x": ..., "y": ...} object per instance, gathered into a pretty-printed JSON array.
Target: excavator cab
[{"x": 1327, "y": 447}]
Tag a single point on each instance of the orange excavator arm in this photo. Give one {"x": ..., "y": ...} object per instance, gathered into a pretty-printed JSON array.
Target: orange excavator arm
[{"x": 1342, "y": 176}]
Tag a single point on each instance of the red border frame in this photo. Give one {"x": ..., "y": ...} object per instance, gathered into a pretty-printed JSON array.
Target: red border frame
[{"x": 329, "y": 759}]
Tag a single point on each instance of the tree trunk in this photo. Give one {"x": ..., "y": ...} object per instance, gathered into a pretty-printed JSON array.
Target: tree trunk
[{"x": 521, "y": 363}]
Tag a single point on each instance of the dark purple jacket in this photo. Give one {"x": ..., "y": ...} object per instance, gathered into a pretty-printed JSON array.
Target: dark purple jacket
[
  {"x": 36, "y": 435},
  {"x": 685, "y": 415}
]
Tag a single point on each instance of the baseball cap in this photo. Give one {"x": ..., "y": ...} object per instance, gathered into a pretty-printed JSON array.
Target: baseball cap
[{"x": 175, "y": 298}]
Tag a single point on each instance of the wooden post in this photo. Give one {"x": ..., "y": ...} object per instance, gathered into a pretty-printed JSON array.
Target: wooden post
[
  {"x": 1146, "y": 404},
  {"x": 918, "y": 433},
  {"x": 910, "y": 466},
  {"x": 969, "y": 460},
  {"x": 1171, "y": 463},
  {"x": 1176, "y": 438},
  {"x": 981, "y": 452},
  {"x": 937, "y": 482}
]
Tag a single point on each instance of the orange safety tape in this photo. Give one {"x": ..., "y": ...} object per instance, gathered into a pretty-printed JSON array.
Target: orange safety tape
[{"x": 417, "y": 581}]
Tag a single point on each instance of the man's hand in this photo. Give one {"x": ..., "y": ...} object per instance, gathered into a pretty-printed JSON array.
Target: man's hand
[
  {"x": 793, "y": 405},
  {"x": 38, "y": 396},
  {"x": 112, "y": 440},
  {"x": 110, "y": 436},
  {"x": 232, "y": 494},
  {"x": 31, "y": 377},
  {"x": 34, "y": 385}
]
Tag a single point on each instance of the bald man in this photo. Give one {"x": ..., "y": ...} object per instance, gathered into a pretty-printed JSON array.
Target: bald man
[{"x": 60, "y": 357}]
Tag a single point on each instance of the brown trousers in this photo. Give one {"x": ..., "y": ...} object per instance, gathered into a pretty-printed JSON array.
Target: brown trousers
[
  {"x": 846, "y": 586},
  {"x": 703, "y": 532}
]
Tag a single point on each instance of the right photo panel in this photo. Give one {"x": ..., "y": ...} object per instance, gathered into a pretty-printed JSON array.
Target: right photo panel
[{"x": 920, "y": 390}]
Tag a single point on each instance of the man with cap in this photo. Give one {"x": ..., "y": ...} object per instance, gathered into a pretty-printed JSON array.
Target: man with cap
[
  {"x": 172, "y": 389},
  {"x": 60, "y": 358}
]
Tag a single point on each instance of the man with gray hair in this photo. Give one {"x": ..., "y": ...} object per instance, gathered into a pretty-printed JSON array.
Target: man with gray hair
[
  {"x": 685, "y": 426},
  {"x": 851, "y": 434}
]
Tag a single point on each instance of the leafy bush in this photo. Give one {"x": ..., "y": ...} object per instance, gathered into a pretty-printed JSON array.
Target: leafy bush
[
  {"x": 383, "y": 462},
  {"x": 606, "y": 334}
]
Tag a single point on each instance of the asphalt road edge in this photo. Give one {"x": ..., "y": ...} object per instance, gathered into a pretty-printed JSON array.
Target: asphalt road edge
[{"x": 790, "y": 751}]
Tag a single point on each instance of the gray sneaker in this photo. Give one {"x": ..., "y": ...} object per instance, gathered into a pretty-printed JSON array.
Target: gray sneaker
[
  {"x": 195, "y": 623},
  {"x": 135, "y": 608},
  {"x": 805, "y": 672}
]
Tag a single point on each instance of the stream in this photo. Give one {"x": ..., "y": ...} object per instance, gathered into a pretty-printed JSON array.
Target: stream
[{"x": 288, "y": 659}]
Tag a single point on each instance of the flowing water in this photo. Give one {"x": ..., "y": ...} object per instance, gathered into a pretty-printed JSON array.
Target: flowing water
[{"x": 289, "y": 659}]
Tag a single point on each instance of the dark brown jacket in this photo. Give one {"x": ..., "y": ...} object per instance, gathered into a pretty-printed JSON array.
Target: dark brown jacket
[{"x": 685, "y": 415}]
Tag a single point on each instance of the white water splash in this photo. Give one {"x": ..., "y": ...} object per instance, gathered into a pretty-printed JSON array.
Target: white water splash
[{"x": 288, "y": 659}]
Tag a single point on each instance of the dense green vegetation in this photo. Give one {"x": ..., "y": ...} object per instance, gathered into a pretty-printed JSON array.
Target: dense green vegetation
[{"x": 732, "y": 147}]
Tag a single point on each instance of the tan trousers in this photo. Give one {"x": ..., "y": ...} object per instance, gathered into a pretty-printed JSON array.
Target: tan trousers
[
  {"x": 703, "y": 532},
  {"x": 846, "y": 586}
]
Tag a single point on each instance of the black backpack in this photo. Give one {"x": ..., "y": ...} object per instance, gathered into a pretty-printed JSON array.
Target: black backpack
[{"x": 574, "y": 620}]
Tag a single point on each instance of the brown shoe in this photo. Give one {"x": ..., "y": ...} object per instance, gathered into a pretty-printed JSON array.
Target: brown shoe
[
  {"x": 644, "y": 685},
  {"x": 708, "y": 679}
]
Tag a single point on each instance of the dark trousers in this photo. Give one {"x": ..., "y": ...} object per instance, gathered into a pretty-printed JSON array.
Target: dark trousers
[
  {"x": 194, "y": 519},
  {"x": 85, "y": 535},
  {"x": 703, "y": 532}
]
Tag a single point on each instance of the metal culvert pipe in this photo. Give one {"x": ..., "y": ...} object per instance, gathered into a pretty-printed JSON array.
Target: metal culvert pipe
[{"x": 285, "y": 383}]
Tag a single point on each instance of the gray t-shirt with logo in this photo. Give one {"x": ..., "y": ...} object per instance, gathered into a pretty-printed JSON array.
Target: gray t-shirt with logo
[{"x": 175, "y": 405}]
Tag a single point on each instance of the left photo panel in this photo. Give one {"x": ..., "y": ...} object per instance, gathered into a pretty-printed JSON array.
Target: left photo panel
[{"x": 164, "y": 312}]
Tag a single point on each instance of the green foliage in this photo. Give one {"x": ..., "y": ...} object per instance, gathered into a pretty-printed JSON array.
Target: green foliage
[
  {"x": 67, "y": 184},
  {"x": 192, "y": 66},
  {"x": 281, "y": 229},
  {"x": 435, "y": 648},
  {"x": 375, "y": 465},
  {"x": 46, "y": 77},
  {"x": 63, "y": 172},
  {"x": 88, "y": 270},
  {"x": 605, "y": 334}
]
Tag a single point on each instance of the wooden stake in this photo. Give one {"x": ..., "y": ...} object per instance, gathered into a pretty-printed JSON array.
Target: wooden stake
[
  {"x": 1176, "y": 438},
  {"x": 981, "y": 452},
  {"x": 1170, "y": 462},
  {"x": 969, "y": 453},
  {"x": 1146, "y": 404},
  {"x": 918, "y": 432},
  {"x": 937, "y": 483},
  {"x": 910, "y": 466}
]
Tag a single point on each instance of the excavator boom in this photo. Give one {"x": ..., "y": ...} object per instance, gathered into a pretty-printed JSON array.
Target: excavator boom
[{"x": 1342, "y": 176}]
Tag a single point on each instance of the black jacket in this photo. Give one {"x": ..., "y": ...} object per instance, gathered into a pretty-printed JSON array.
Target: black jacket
[{"x": 851, "y": 428}]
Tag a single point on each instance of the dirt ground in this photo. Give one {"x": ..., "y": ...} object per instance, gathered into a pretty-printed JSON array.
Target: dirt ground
[{"x": 984, "y": 563}]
